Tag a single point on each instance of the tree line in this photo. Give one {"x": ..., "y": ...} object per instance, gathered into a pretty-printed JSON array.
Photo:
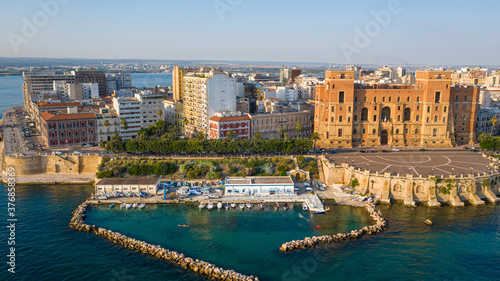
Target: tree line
[{"x": 236, "y": 146}]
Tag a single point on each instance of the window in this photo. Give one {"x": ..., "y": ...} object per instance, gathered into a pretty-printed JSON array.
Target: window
[
  {"x": 417, "y": 118},
  {"x": 349, "y": 119},
  {"x": 354, "y": 131},
  {"x": 435, "y": 118},
  {"x": 355, "y": 107},
  {"x": 341, "y": 97},
  {"x": 333, "y": 118},
  {"x": 406, "y": 130},
  {"x": 374, "y": 118},
  {"x": 355, "y": 118},
  {"x": 364, "y": 114},
  {"x": 340, "y": 133},
  {"x": 437, "y": 97},
  {"x": 428, "y": 109},
  {"x": 437, "y": 108},
  {"x": 333, "y": 109},
  {"x": 365, "y": 98},
  {"x": 456, "y": 98},
  {"x": 434, "y": 132},
  {"x": 340, "y": 118},
  {"x": 349, "y": 109},
  {"x": 340, "y": 108},
  {"x": 374, "y": 131},
  {"x": 390, "y": 99},
  {"x": 444, "y": 109},
  {"x": 408, "y": 99},
  {"x": 465, "y": 98},
  {"x": 383, "y": 99},
  {"x": 407, "y": 114},
  {"x": 374, "y": 99},
  {"x": 399, "y": 107},
  {"x": 355, "y": 99},
  {"x": 397, "y": 131},
  {"x": 416, "y": 131},
  {"x": 399, "y": 99},
  {"x": 375, "y": 108},
  {"x": 464, "y": 117},
  {"x": 398, "y": 118},
  {"x": 418, "y": 99},
  {"x": 364, "y": 131}
]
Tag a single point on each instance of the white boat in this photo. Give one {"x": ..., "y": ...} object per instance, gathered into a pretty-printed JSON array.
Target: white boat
[
  {"x": 137, "y": 194},
  {"x": 142, "y": 206},
  {"x": 128, "y": 206},
  {"x": 286, "y": 206},
  {"x": 219, "y": 205},
  {"x": 261, "y": 205},
  {"x": 210, "y": 206},
  {"x": 183, "y": 192},
  {"x": 249, "y": 205},
  {"x": 135, "y": 205},
  {"x": 202, "y": 205},
  {"x": 102, "y": 197},
  {"x": 122, "y": 205},
  {"x": 127, "y": 193},
  {"x": 276, "y": 206},
  {"x": 242, "y": 206},
  {"x": 226, "y": 206},
  {"x": 233, "y": 205},
  {"x": 304, "y": 206}
]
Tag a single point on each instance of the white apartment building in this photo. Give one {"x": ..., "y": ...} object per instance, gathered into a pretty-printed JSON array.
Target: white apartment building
[
  {"x": 204, "y": 95},
  {"x": 286, "y": 93},
  {"x": 41, "y": 81},
  {"x": 90, "y": 91},
  {"x": 129, "y": 110},
  {"x": 150, "y": 105},
  {"x": 169, "y": 111},
  {"x": 108, "y": 124}
]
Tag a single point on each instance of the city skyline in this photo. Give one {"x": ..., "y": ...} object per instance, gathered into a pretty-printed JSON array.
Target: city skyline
[{"x": 382, "y": 32}]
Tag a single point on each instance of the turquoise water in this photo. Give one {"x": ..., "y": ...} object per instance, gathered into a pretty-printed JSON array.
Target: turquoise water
[
  {"x": 464, "y": 244},
  {"x": 150, "y": 80}
]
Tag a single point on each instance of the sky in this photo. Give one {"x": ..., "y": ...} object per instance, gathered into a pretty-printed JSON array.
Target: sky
[{"x": 458, "y": 32}]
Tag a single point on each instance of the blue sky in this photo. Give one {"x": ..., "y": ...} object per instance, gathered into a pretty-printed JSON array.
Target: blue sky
[{"x": 418, "y": 32}]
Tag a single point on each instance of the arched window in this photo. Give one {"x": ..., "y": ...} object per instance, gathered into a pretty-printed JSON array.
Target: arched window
[
  {"x": 364, "y": 114},
  {"x": 407, "y": 114},
  {"x": 386, "y": 114}
]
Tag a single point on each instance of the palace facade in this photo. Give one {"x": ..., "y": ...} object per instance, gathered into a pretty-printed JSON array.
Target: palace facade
[{"x": 430, "y": 113}]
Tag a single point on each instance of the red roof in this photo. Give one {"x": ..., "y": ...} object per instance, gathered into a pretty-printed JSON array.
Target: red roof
[
  {"x": 47, "y": 116},
  {"x": 229, "y": 118},
  {"x": 54, "y": 104},
  {"x": 170, "y": 100}
]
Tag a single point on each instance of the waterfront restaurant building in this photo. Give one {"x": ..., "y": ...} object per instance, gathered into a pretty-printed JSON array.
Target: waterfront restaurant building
[
  {"x": 149, "y": 185},
  {"x": 259, "y": 185}
]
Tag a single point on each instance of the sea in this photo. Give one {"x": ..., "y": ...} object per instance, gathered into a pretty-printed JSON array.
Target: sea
[{"x": 463, "y": 243}]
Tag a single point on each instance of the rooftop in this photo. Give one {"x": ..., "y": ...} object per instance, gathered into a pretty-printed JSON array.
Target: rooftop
[
  {"x": 54, "y": 104},
  {"x": 259, "y": 180},
  {"x": 229, "y": 118},
  {"x": 48, "y": 116},
  {"x": 128, "y": 181}
]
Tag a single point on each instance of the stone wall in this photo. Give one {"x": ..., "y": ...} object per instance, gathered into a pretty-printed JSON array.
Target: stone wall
[
  {"x": 53, "y": 164},
  {"x": 410, "y": 190}
]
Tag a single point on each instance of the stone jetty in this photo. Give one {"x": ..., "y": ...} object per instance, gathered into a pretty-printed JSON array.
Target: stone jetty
[
  {"x": 311, "y": 242},
  {"x": 201, "y": 267}
]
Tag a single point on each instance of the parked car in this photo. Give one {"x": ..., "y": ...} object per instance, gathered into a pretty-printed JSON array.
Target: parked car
[
  {"x": 395, "y": 149},
  {"x": 40, "y": 148},
  {"x": 423, "y": 149},
  {"x": 87, "y": 145}
]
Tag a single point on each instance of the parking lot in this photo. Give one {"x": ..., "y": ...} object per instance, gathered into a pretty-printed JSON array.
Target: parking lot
[{"x": 452, "y": 162}]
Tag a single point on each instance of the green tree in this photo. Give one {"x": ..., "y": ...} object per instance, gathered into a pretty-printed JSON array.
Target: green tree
[
  {"x": 493, "y": 122},
  {"x": 281, "y": 130},
  {"x": 124, "y": 124},
  {"x": 106, "y": 123},
  {"x": 230, "y": 136},
  {"x": 314, "y": 138},
  {"x": 257, "y": 136},
  {"x": 160, "y": 113},
  {"x": 200, "y": 136},
  {"x": 298, "y": 127}
]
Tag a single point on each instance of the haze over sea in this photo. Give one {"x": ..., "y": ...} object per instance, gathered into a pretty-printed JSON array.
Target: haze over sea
[{"x": 464, "y": 244}]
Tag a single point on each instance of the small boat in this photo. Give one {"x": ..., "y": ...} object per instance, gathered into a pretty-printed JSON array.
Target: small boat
[
  {"x": 233, "y": 205},
  {"x": 286, "y": 206},
  {"x": 195, "y": 191},
  {"x": 320, "y": 211},
  {"x": 112, "y": 205},
  {"x": 219, "y": 205},
  {"x": 248, "y": 205},
  {"x": 135, "y": 205},
  {"x": 210, "y": 206},
  {"x": 226, "y": 206},
  {"x": 142, "y": 206},
  {"x": 127, "y": 193},
  {"x": 137, "y": 194},
  {"x": 242, "y": 206},
  {"x": 202, "y": 205},
  {"x": 128, "y": 206},
  {"x": 183, "y": 225},
  {"x": 102, "y": 197},
  {"x": 122, "y": 205},
  {"x": 276, "y": 206},
  {"x": 261, "y": 205},
  {"x": 304, "y": 206}
]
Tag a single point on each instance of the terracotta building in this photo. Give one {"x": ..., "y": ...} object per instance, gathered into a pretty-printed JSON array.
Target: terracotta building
[
  {"x": 221, "y": 123},
  {"x": 430, "y": 113},
  {"x": 68, "y": 129}
]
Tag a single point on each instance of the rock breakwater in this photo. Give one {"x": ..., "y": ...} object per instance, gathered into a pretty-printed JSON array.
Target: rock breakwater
[
  {"x": 311, "y": 242},
  {"x": 198, "y": 266}
]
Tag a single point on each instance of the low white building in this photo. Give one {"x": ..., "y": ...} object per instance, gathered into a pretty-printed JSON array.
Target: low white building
[
  {"x": 148, "y": 185},
  {"x": 250, "y": 186},
  {"x": 286, "y": 93}
]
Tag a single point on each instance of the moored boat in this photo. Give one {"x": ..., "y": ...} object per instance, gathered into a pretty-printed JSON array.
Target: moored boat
[
  {"x": 112, "y": 205},
  {"x": 226, "y": 206},
  {"x": 142, "y": 205},
  {"x": 122, "y": 205},
  {"x": 242, "y": 206},
  {"x": 135, "y": 205},
  {"x": 304, "y": 206},
  {"x": 233, "y": 205},
  {"x": 128, "y": 206},
  {"x": 261, "y": 205},
  {"x": 202, "y": 205},
  {"x": 249, "y": 205},
  {"x": 286, "y": 206},
  {"x": 210, "y": 206},
  {"x": 276, "y": 206},
  {"x": 219, "y": 205}
]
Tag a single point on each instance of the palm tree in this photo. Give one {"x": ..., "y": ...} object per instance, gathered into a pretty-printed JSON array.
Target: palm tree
[
  {"x": 124, "y": 124},
  {"x": 200, "y": 136},
  {"x": 286, "y": 136},
  {"x": 230, "y": 136},
  {"x": 160, "y": 112},
  {"x": 493, "y": 122},
  {"x": 314, "y": 138},
  {"x": 257, "y": 136},
  {"x": 298, "y": 127},
  {"x": 106, "y": 123},
  {"x": 281, "y": 130}
]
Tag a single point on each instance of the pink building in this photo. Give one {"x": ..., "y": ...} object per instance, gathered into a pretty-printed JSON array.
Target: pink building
[
  {"x": 221, "y": 123},
  {"x": 68, "y": 129}
]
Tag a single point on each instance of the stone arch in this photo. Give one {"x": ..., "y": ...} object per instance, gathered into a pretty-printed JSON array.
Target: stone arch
[
  {"x": 461, "y": 189},
  {"x": 419, "y": 189},
  {"x": 397, "y": 188}
]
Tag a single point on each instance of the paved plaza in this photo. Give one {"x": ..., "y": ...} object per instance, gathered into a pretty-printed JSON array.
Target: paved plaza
[{"x": 423, "y": 163}]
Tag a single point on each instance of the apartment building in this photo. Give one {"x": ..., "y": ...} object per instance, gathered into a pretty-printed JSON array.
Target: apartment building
[
  {"x": 276, "y": 125},
  {"x": 68, "y": 128},
  {"x": 222, "y": 123}
]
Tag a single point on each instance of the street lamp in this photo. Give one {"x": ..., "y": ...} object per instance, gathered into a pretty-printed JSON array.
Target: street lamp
[
  {"x": 432, "y": 171},
  {"x": 452, "y": 171},
  {"x": 471, "y": 170},
  {"x": 346, "y": 160}
]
